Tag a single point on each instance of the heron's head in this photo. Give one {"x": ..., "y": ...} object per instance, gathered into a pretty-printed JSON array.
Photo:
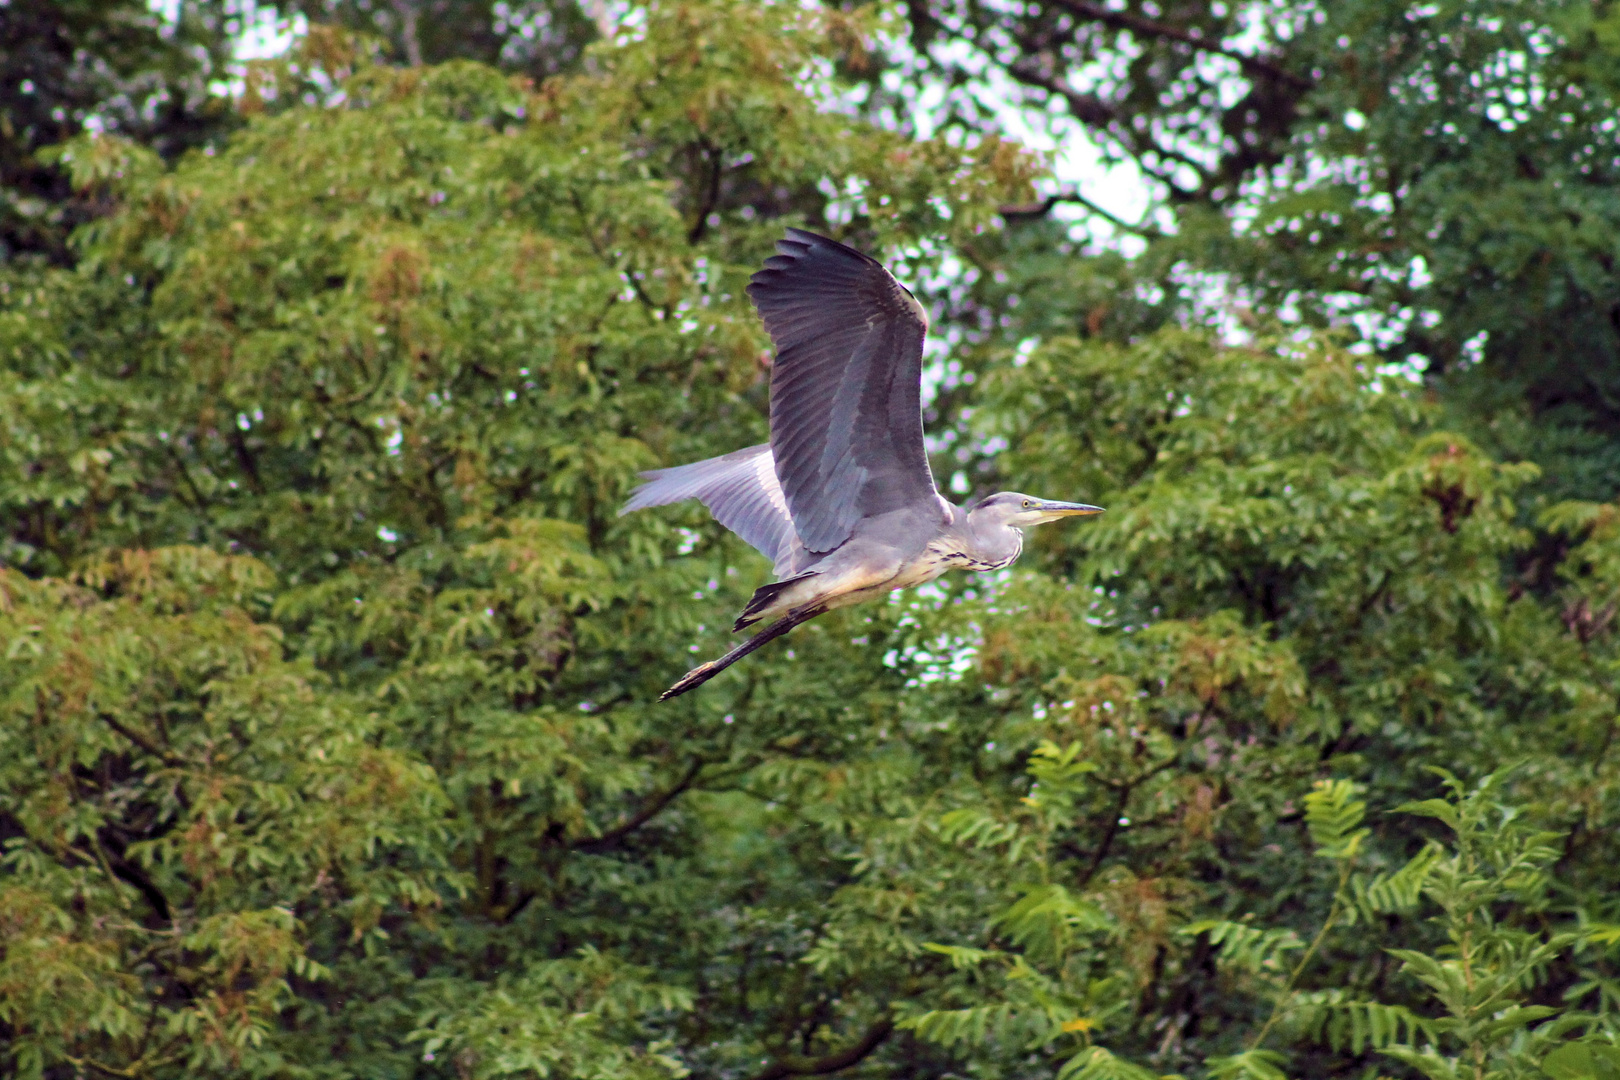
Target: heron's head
[{"x": 1019, "y": 510}]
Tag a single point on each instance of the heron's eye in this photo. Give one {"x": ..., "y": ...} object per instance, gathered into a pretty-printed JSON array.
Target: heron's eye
[{"x": 1026, "y": 504}]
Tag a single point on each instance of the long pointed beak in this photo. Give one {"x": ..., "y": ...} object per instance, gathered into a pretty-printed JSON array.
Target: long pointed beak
[{"x": 1068, "y": 509}]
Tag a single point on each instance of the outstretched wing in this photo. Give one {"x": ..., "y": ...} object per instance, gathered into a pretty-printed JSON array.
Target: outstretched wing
[
  {"x": 846, "y": 414},
  {"x": 741, "y": 491}
]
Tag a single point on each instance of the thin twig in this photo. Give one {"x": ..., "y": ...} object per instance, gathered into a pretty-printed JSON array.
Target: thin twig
[
  {"x": 1310, "y": 951},
  {"x": 1124, "y": 20}
]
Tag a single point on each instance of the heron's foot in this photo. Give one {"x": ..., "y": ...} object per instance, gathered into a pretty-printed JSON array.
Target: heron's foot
[
  {"x": 704, "y": 672},
  {"x": 694, "y": 678}
]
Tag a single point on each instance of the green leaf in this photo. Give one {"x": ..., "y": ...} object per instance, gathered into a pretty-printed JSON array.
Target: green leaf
[
  {"x": 1332, "y": 813},
  {"x": 1583, "y": 1061}
]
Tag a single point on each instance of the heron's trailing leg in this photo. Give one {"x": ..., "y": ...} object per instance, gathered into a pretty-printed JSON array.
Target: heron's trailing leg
[{"x": 704, "y": 672}]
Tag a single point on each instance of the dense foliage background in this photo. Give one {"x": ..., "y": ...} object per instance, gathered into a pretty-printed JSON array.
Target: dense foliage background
[{"x": 328, "y": 744}]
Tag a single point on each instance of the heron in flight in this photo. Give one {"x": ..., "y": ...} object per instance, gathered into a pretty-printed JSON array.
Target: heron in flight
[{"x": 841, "y": 499}]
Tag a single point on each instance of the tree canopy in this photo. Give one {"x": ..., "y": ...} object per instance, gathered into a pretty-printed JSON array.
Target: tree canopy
[{"x": 329, "y": 742}]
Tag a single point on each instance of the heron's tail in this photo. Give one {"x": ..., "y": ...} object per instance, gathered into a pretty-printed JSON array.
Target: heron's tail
[{"x": 704, "y": 672}]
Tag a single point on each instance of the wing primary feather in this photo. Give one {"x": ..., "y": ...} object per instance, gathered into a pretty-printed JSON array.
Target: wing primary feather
[{"x": 846, "y": 415}]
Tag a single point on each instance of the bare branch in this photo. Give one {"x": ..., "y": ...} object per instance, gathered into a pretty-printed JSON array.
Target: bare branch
[
  {"x": 245, "y": 458},
  {"x": 408, "y": 32},
  {"x": 793, "y": 1065},
  {"x": 1092, "y": 110},
  {"x": 130, "y": 873},
  {"x": 1085, "y": 107},
  {"x": 1121, "y": 804},
  {"x": 140, "y": 740},
  {"x": 715, "y": 158},
  {"x": 1109, "y": 833},
  {"x": 1044, "y": 207},
  {"x": 651, "y": 809},
  {"x": 1124, "y": 20}
]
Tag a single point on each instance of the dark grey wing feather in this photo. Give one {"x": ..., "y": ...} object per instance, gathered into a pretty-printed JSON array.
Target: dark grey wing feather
[
  {"x": 846, "y": 413},
  {"x": 741, "y": 491}
]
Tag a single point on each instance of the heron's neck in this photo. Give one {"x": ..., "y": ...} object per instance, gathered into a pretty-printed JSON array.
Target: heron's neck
[{"x": 992, "y": 543}]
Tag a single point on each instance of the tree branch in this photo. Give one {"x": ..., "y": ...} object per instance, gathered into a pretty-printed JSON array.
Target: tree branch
[
  {"x": 197, "y": 500},
  {"x": 653, "y": 807},
  {"x": 1086, "y": 108},
  {"x": 1107, "y": 841},
  {"x": 408, "y": 32},
  {"x": 245, "y": 458},
  {"x": 1121, "y": 804},
  {"x": 1044, "y": 207},
  {"x": 129, "y": 872},
  {"x": 793, "y": 1065},
  {"x": 716, "y": 160},
  {"x": 608, "y": 839},
  {"x": 141, "y": 1067},
  {"x": 1124, "y": 20},
  {"x": 165, "y": 756},
  {"x": 1092, "y": 110}
]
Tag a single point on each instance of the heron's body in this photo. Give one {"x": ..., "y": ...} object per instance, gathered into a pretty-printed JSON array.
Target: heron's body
[
  {"x": 896, "y": 550},
  {"x": 841, "y": 500}
]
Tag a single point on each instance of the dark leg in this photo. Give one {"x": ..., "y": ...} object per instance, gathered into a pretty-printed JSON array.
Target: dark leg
[{"x": 704, "y": 672}]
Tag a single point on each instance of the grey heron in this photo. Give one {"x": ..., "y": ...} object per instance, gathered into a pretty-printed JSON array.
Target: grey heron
[{"x": 841, "y": 499}]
